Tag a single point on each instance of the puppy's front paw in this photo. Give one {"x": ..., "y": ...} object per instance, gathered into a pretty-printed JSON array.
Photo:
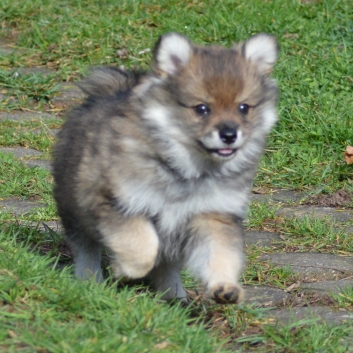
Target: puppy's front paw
[{"x": 226, "y": 293}]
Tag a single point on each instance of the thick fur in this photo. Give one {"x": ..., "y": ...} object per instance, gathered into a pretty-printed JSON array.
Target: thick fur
[{"x": 141, "y": 170}]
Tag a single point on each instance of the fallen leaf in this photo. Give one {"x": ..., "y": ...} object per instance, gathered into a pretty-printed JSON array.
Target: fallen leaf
[
  {"x": 260, "y": 191},
  {"x": 348, "y": 155},
  {"x": 144, "y": 51},
  {"x": 269, "y": 303},
  {"x": 52, "y": 47},
  {"x": 12, "y": 334},
  {"x": 122, "y": 53},
  {"x": 162, "y": 345},
  {"x": 293, "y": 286}
]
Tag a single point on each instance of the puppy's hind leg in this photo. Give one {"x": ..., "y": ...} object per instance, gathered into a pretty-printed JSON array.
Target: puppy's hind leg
[
  {"x": 165, "y": 278},
  {"x": 87, "y": 258}
]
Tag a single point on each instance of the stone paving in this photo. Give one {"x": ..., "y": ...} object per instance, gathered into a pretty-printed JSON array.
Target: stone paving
[{"x": 321, "y": 274}]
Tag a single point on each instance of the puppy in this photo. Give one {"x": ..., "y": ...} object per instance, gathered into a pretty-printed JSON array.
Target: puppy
[{"x": 157, "y": 167}]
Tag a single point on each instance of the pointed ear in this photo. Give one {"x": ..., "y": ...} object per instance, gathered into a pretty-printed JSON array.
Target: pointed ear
[
  {"x": 262, "y": 50},
  {"x": 172, "y": 52}
]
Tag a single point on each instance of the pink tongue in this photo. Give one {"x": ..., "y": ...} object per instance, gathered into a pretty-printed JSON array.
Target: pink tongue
[{"x": 225, "y": 151}]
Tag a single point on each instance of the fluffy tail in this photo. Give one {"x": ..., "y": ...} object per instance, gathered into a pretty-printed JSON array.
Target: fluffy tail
[{"x": 108, "y": 81}]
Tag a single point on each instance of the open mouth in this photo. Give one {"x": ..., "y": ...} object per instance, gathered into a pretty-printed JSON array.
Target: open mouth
[
  {"x": 225, "y": 152},
  {"x": 222, "y": 152}
]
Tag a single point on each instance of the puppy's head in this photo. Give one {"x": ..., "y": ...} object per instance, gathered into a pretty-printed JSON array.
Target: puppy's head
[{"x": 212, "y": 99}]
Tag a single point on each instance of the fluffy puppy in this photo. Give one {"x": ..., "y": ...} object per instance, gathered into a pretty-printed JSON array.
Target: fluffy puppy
[{"x": 157, "y": 167}]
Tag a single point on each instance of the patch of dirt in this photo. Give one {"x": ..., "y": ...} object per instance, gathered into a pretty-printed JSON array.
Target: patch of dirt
[
  {"x": 340, "y": 198},
  {"x": 62, "y": 250}
]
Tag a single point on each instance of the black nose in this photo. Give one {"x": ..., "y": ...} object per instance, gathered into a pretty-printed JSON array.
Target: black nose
[{"x": 228, "y": 135}]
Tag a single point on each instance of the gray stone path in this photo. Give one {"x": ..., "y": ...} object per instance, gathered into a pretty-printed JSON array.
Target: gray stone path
[
  {"x": 320, "y": 274},
  {"x": 19, "y": 116}
]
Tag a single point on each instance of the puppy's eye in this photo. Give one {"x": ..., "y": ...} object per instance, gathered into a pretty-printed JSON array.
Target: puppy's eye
[
  {"x": 202, "y": 110},
  {"x": 244, "y": 108}
]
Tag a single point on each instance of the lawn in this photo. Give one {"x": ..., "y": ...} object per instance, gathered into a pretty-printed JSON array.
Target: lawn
[{"x": 42, "y": 307}]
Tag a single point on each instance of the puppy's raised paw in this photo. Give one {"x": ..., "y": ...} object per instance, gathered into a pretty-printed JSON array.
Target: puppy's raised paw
[{"x": 227, "y": 294}]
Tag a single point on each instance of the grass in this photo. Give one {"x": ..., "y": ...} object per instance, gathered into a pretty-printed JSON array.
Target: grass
[
  {"x": 267, "y": 274},
  {"x": 24, "y": 182},
  {"x": 35, "y": 134},
  {"x": 303, "y": 336},
  {"x": 345, "y": 298},
  {"x": 315, "y": 234},
  {"x": 22, "y": 89},
  {"x": 46, "y": 310},
  {"x": 307, "y": 233}
]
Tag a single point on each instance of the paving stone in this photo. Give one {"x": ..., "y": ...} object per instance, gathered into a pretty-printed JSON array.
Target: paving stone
[
  {"x": 50, "y": 132},
  {"x": 21, "y": 152},
  {"x": 317, "y": 265},
  {"x": 316, "y": 313},
  {"x": 285, "y": 196},
  {"x": 314, "y": 211},
  {"x": 348, "y": 230},
  {"x": 6, "y": 49},
  {"x": 18, "y": 206},
  {"x": 46, "y": 226},
  {"x": 326, "y": 287},
  {"x": 261, "y": 238},
  {"x": 68, "y": 93},
  {"x": 45, "y": 164},
  {"x": 43, "y": 70},
  {"x": 20, "y": 116},
  {"x": 266, "y": 296}
]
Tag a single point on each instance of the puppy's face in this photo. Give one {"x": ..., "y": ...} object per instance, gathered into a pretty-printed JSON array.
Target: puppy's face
[
  {"x": 216, "y": 98},
  {"x": 222, "y": 98}
]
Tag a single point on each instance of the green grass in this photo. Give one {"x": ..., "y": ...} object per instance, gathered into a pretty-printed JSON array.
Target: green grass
[
  {"x": 345, "y": 298},
  {"x": 307, "y": 233},
  {"x": 21, "y": 182},
  {"x": 302, "y": 336},
  {"x": 18, "y": 180},
  {"x": 267, "y": 274},
  {"x": 260, "y": 213},
  {"x": 35, "y": 134},
  {"x": 43, "y": 309},
  {"x": 46, "y": 310},
  {"x": 23, "y": 89}
]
